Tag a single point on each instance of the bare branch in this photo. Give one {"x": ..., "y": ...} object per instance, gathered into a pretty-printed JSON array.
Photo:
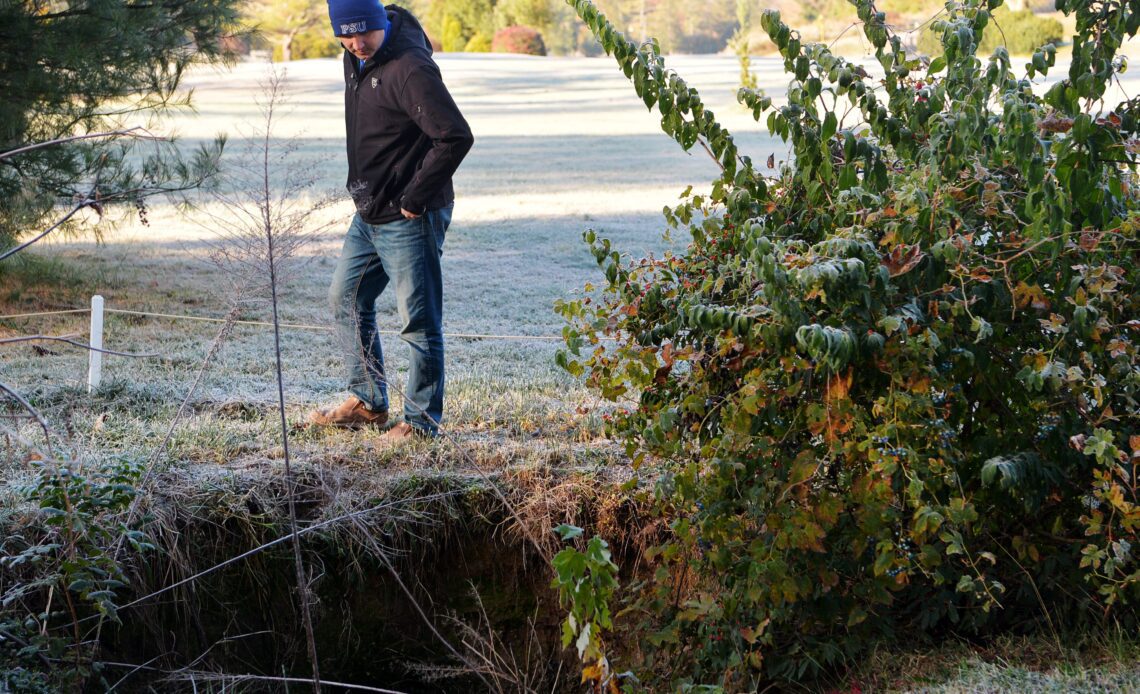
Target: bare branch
[
  {"x": 57, "y": 338},
  {"x": 274, "y": 93},
  {"x": 200, "y": 675},
  {"x": 206, "y": 676},
  {"x": 34, "y": 412},
  {"x": 113, "y": 134},
  {"x": 85, "y": 202},
  {"x": 185, "y": 669},
  {"x": 44, "y": 457},
  {"x": 286, "y": 538},
  {"x": 383, "y": 556},
  {"x": 216, "y": 346}
]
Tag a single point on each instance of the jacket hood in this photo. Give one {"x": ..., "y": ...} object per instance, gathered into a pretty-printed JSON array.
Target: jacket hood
[{"x": 406, "y": 34}]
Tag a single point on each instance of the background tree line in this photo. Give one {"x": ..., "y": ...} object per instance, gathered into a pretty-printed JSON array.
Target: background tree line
[{"x": 297, "y": 29}]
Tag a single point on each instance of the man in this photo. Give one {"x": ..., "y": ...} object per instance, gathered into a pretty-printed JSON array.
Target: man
[{"x": 406, "y": 138}]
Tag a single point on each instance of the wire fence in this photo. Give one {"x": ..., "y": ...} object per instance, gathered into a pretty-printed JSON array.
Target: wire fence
[
  {"x": 266, "y": 324},
  {"x": 98, "y": 311}
]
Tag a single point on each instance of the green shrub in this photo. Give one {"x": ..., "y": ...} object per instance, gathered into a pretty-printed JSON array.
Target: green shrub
[
  {"x": 478, "y": 44},
  {"x": 1021, "y": 33},
  {"x": 451, "y": 35},
  {"x": 73, "y": 548},
  {"x": 313, "y": 43},
  {"x": 894, "y": 389},
  {"x": 524, "y": 40}
]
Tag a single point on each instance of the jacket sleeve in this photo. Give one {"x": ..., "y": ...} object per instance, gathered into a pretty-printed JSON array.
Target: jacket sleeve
[{"x": 426, "y": 100}]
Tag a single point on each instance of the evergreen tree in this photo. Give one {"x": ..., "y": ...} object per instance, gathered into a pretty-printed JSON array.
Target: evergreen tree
[{"x": 85, "y": 67}]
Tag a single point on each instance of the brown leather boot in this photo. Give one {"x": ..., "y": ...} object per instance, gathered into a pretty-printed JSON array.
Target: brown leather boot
[
  {"x": 400, "y": 434},
  {"x": 350, "y": 414}
]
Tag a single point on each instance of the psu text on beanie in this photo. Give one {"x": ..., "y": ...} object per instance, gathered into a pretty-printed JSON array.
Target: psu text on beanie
[{"x": 357, "y": 16}]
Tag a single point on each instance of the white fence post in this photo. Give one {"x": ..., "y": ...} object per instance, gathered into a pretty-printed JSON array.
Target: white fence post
[{"x": 95, "y": 358}]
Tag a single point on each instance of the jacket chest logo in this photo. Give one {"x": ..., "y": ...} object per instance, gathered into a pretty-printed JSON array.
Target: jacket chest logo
[{"x": 375, "y": 82}]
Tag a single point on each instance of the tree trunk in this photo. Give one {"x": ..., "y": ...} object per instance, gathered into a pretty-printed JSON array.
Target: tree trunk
[{"x": 287, "y": 45}]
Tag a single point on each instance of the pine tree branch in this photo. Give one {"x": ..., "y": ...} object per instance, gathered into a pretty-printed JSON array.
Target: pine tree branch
[
  {"x": 111, "y": 134},
  {"x": 86, "y": 202}
]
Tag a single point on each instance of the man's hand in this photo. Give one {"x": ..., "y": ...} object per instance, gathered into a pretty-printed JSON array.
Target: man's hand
[{"x": 409, "y": 215}]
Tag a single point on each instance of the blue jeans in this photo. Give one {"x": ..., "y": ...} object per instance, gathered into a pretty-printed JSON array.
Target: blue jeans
[{"x": 406, "y": 252}]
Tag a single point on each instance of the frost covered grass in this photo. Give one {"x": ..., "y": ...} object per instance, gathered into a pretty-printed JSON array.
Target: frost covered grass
[
  {"x": 562, "y": 145},
  {"x": 1082, "y": 663}
]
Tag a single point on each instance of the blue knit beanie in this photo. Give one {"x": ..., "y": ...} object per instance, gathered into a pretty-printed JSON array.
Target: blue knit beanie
[{"x": 357, "y": 16}]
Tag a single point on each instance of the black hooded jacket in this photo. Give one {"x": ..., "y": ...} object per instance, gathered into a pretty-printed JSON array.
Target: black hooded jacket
[{"x": 406, "y": 137}]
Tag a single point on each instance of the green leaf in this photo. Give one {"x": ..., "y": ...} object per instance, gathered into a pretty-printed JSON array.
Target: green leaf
[
  {"x": 689, "y": 136},
  {"x": 982, "y": 327},
  {"x": 830, "y": 123},
  {"x": 884, "y": 560},
  {"x": 80, "y": 585},
  {"x": 965, "y": 584},
  {"x": 568, "y": 532},
  {"x": 847, "y": 177}
]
